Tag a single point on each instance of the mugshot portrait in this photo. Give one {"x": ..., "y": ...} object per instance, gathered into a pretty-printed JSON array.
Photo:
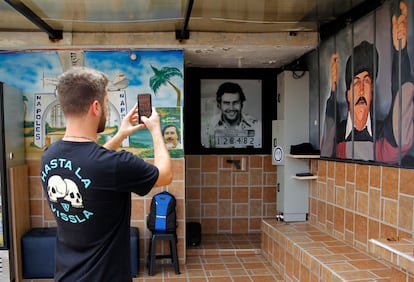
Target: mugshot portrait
[{"x": 231, "y": 113}]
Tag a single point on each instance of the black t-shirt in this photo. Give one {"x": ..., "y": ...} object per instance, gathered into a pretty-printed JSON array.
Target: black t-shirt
[{"x": 89, "y": 192}]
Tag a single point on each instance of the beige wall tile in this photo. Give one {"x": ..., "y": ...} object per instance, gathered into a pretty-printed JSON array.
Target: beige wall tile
[
  {"x": 255, "y": 161},
  {"x": 193, "y": 161},
  {"x": 255, "y": 224},
  {"x": 340, "y": 174},
  {"x": 269, "y": 195},
  {"x": 241, "y": 210},
  {"x": 389, "y": 211},
  {"x": 35, "y": 188},
  {"x": 241, "y": 178},
  {"x": 209, "y": 195},
  {"x": 225, "y": 225},
  {"x": 267, "y": 164},
  {"x": 350, "y": 170},
  {"x": 322, "y": 190},
  {"x": 240, "y": 226},
  {"x": 406, "y": 181},
  {"x": 256, "y": 177},
  {"x": 321, "y": 212},
  {"x": 193, "y": 193},
  {"x": 225, "y": 178},
  {"x": 193, "y": 177},
  {"x": 270, "y": 179},
  {"x": 34, "y": 167},
  {"x": 255, "y": 207},
  {"x": 256, "y": 192},
  {"x": 211, "y": 180},
  {"x": 350, "y": 196},
  {"x": 349, "y": 221},
  {"x": 330, "y": 192},
  {"x": 224, "y": 193},
  {"x": 375, "y": 176},
  {"x": 387, "y": 231},
  {"x": 361, "y": 228},
  {"x": 389, "y": 182},
  {"x": 178, "y": 169},
  {"x": 137, "y": 209},
  {"x": 240, "y": 195},
  {"x": 362, "y": 203},
  {"x": 209, "y": 163},
  {"x": 339, "y": 220},
  {"x": 362, "y": 178},
  {"x": 209, "y": 225},
  {"x": 330, "y": 212},
  {"x": 210, "y": 210},
  {"x": 373, "y": 229},
  {"x": 322, "y": 170},
  {"x": 331, "y": 170},
  {"x": 405, "y": 212},
  {"x": 374, "y": 203},
  {"x": 340, "y": 196},
  {"x": 224, "y": 208}
]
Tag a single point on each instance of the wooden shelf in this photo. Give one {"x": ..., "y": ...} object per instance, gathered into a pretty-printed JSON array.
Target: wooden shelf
[
  {"x": 305, "y": 177},
  {"x": 303, "y": 156}
]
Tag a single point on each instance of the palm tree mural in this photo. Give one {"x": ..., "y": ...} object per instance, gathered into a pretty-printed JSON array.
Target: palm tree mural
[{"x": 162, "y": 77}]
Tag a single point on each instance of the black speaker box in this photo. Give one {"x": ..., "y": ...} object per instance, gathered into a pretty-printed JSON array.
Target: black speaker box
[{"x": 193, "y": 234}]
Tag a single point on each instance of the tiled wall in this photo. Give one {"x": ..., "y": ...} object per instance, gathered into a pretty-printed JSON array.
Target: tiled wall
[
  {"x": 357, "y": 202},
  {"x": 226, "y": 199},
  {"x": 41, "y": 216}
]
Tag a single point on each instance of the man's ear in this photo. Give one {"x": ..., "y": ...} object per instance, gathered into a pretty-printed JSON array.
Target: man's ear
[{"x": 96, "y": 108}]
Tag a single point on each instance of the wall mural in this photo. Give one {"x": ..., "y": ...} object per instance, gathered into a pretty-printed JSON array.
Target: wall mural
[
  {"x": 367, "y": 88},
  {"x": 131, "y": 72}
]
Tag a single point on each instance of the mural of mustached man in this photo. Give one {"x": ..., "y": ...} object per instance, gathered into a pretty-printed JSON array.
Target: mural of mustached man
[{"x": 378, "y": 123}]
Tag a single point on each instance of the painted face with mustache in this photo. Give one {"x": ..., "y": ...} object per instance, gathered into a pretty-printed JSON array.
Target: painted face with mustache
[{"x": 360, "y": 103}]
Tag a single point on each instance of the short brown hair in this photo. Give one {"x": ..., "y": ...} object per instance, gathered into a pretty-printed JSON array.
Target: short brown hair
[{"x": 78, "y": 87}]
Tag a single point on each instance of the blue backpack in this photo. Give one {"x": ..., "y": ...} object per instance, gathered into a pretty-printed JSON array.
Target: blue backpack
[{"x": 162, "y": 216}]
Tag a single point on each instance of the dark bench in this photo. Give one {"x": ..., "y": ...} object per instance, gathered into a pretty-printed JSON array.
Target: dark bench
[{"x": 38, "y": 253}]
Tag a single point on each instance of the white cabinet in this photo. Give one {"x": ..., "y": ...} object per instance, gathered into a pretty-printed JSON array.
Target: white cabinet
[{"x": 292, "y": 128}]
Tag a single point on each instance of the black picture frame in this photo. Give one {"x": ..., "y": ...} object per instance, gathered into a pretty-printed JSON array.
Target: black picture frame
[{"x": 192, "y": 107}]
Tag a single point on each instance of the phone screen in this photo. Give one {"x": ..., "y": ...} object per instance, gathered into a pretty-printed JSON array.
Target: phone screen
[{"x": 144, "y": 105}]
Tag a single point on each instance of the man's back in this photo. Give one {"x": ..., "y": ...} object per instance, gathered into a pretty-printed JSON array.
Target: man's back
[{"x": 89, "y": 189}]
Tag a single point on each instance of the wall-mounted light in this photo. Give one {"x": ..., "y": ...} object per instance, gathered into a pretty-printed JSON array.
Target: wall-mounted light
[
  {"x": 132, "y": 56},
  {"x": 239, "y": 62}
]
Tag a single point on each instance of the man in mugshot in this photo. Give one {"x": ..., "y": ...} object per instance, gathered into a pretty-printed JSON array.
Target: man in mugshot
[{"x": 232, "y": 128}]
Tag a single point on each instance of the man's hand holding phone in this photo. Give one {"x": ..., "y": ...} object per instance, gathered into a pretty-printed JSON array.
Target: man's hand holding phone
[{"x": 144, "y": 102}]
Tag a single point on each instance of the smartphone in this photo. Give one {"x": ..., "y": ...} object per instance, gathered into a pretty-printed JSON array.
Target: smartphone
[{"x": 144, "y": 105}]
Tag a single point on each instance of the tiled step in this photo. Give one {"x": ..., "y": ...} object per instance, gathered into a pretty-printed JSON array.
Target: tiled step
[
  {"x": 300, "y": 251},
  {"x": 227, "y": 244},
  {"x": 222, "y": 252},
  {"x": 399, "y": 252}
]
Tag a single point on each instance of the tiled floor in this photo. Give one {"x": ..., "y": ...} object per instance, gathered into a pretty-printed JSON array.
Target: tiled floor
[{"x": 220, "y": 258}]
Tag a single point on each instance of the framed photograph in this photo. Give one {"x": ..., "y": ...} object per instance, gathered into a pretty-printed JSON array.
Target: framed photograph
[{"x": 229, "y": 111}]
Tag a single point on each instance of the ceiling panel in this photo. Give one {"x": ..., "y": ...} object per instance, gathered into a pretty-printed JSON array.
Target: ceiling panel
[{"x": 230, "y": 16}]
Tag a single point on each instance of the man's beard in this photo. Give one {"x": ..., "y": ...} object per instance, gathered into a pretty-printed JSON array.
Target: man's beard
[{"x": 102, "y": 123}]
